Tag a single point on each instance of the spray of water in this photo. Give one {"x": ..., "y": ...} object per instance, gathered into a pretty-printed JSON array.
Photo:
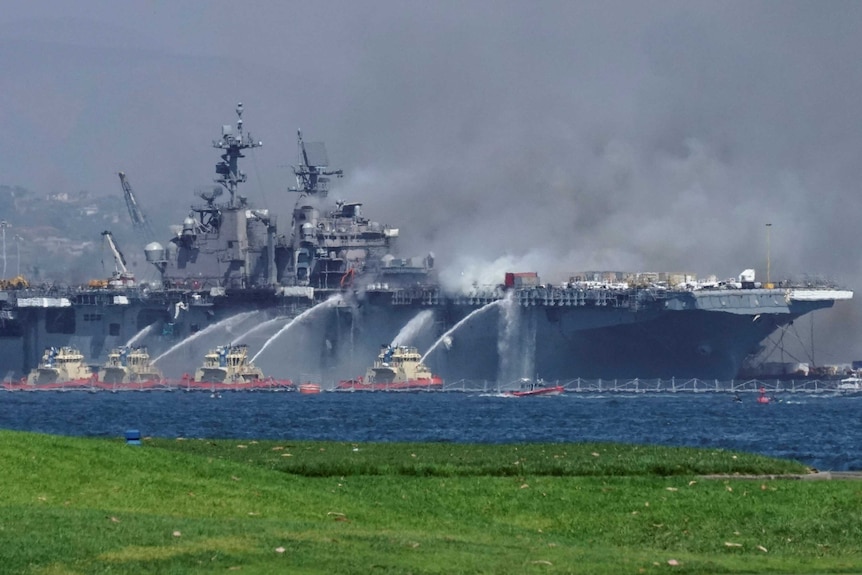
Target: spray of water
[
  {"x": 528, "y": 347},
  {"x": 413, "y": 327},
  {"x": 280, "y": 319},
  {"x": 140, "y": 335},
  {"x": 295, "y": 321},
  {"x": 507, "y": 347},
  {"x": 446, "y": 338},
  {"x": 226, "y": 323},
  {"x": 516, "y": 343}
]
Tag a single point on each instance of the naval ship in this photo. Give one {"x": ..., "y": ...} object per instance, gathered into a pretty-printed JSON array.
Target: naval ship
[{"x": 334, "y": 283}]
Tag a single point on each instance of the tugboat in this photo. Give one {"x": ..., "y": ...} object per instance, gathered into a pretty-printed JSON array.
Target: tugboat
[
  {"x": 529, "y": 388},
  {"x": 61, "y": 367},
  {"x": 397, "y": 368},
  {"x": 127, "y": 365},
  {"x": 228, "y": 367}
]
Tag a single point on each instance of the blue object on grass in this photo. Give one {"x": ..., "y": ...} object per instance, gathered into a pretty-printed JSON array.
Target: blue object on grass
[{"x": 133, "y": 437}]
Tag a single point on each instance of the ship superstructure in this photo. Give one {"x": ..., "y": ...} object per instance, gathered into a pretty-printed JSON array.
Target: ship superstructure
[
  {"x": 229, "y": 256},
  {"x": 331, "y": 246},
  {"x": 233, "y": 245},
  {"x": 225, "y": 245}
]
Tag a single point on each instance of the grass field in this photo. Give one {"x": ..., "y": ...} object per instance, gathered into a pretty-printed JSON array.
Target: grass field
[{"x": 89, "y": 506}]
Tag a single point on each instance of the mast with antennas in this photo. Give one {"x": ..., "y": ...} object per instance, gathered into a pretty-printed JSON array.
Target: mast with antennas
[
  {"x": 313, "y": 168},
  {"x": 228, "y": 172}
]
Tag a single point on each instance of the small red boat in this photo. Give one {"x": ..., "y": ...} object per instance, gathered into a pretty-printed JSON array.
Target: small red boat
[
  {"x": 396, "y": 369},
  {"x": 309, "y": 388},
  {"x": 530, "y": 388}
]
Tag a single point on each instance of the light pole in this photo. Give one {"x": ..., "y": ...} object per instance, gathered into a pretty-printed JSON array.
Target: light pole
[
  {"x": 18, "y": 252},
  {"x": 768, "y": 282},
  {"x": 3, "y": 225}
]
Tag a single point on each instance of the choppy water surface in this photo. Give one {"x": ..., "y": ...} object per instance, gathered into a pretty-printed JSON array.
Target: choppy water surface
[{"x": 824, "y": 431}]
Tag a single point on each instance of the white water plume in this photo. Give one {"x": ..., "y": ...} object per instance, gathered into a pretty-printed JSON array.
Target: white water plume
[
  {"x": 507, "y": 336},
  {"x": 226, "y": 323},
  {"x": 140, "y": 335},
  {"x": 413, "y": 327},
  {"x": 298, "y": 319},
  {"x": 516, "y": 342},
  {"x": 241, "y": 337},
  {"x": 446, "y": 338},
  {"x": 527, "y": 345}
]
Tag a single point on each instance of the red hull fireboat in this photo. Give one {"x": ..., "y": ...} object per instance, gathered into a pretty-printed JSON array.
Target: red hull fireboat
[{"x": 530, "y": 388}]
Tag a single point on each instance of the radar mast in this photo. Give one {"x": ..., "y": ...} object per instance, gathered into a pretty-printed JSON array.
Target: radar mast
[
  {"x": 228, "y": 172},
  {"x": 313, "y": 168}
]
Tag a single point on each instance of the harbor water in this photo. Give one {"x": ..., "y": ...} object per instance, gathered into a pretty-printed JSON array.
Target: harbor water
[{"x": 820, "y": 430}]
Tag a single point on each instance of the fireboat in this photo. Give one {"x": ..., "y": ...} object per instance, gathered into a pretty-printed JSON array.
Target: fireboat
[{"x": 397, "y": 368}]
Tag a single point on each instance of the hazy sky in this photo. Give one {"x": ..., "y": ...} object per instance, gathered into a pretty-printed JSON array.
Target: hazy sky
[{"x": 547, "y": 136}]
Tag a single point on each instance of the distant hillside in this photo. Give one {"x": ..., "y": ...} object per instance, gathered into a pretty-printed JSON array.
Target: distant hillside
[{"x": 58, "y": 236}]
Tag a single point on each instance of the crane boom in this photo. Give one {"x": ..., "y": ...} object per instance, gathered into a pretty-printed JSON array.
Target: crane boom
[
  {"x": 122, "y": 277},
  {"x": 139, "y": 220},
  {"x": 119, "y": 260}
]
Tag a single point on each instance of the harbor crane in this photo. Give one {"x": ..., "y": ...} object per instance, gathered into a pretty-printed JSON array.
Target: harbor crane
[
  {"x": 139, "y": 220},
  {"x": 122, "y": 277}
]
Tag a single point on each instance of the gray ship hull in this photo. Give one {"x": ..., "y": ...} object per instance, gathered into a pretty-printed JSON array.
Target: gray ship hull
[{"x": 523, "y": 333}]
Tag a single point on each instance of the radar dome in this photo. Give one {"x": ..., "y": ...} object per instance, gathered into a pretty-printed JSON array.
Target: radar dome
[
  {"x": 188, "y": 226},
  {"x": 154, "y": 252}
]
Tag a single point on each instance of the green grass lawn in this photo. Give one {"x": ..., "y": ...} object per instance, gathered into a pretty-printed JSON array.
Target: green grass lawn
[{"x": 88, "y": 506}]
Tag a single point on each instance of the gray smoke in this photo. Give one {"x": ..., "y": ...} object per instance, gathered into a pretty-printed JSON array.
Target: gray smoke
[{"x": 502, "y": 136}]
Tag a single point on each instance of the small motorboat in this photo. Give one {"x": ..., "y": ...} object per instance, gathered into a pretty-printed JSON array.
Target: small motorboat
[
  {"x": 852, "y": 383},
  {"x": 529, "y": 388}
]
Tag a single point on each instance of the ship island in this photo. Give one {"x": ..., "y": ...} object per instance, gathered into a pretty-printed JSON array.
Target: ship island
[{"x": 343, "y": 275}]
